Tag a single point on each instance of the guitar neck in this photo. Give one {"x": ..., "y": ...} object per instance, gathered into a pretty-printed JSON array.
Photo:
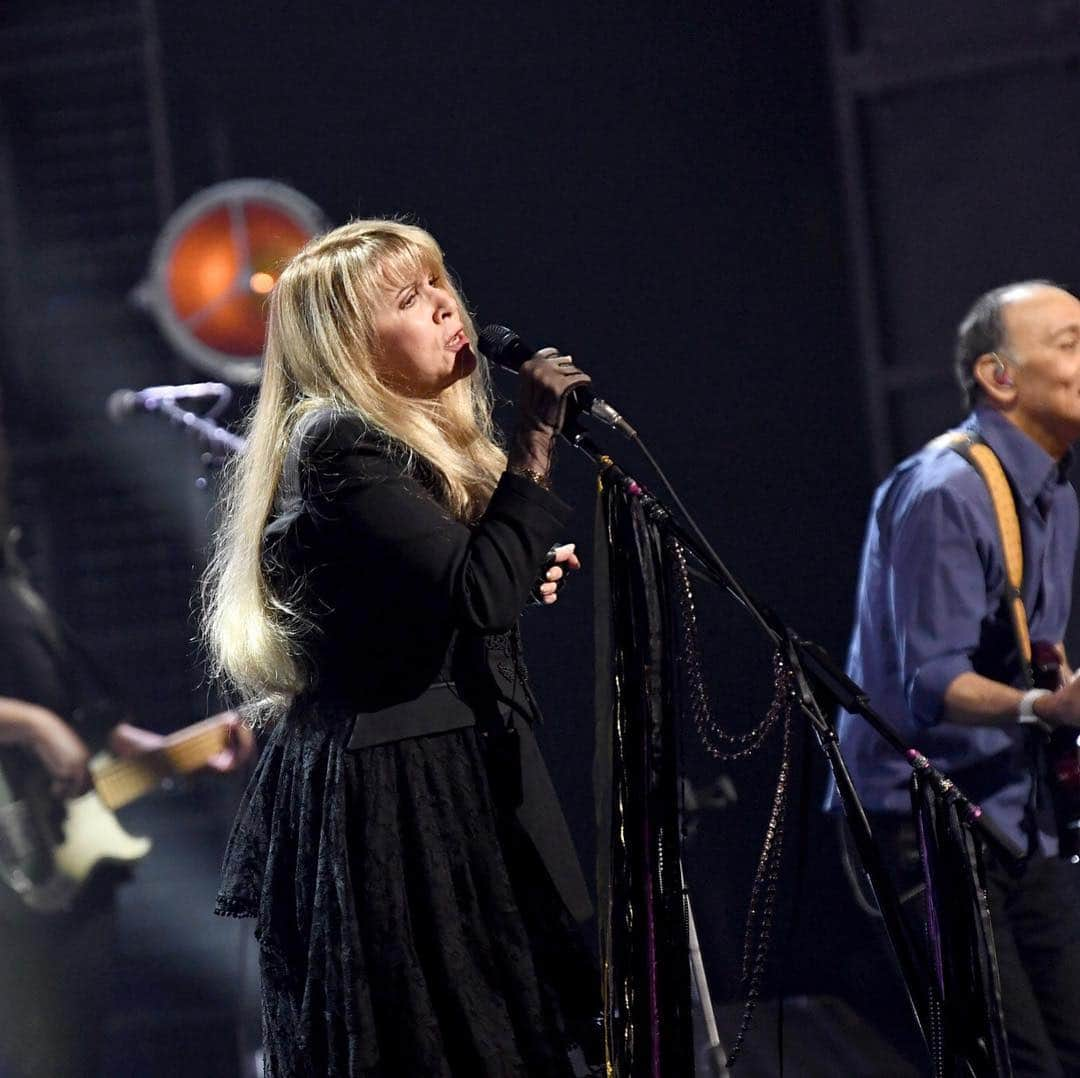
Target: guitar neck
[{"x": 120, "y": 781}]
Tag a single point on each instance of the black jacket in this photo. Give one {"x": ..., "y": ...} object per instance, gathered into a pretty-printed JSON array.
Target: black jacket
[{"x": 412, "y": 615}]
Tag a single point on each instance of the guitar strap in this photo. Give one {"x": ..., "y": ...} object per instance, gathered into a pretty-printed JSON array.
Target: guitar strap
[{"x": 984, "y": 460}]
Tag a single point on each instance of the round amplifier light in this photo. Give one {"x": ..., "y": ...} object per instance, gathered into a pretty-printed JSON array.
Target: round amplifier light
[{"x": 214, "y": 266}]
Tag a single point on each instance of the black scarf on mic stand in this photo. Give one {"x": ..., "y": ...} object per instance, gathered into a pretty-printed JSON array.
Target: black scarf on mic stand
[
  {"x": 964, "y": 1025},
  {"x": 641, "y": 905}
]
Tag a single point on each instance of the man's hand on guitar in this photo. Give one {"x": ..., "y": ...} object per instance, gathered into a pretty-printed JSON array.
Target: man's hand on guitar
[
  {"x": 61, "y": 752},
  {"x": 1061, "y": 708},
  {"x": 241, "y": 747},
  {"x": 129, "y": 742}
]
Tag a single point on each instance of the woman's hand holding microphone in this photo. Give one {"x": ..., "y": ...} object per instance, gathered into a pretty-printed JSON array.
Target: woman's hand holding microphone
[{"x": 545, "y": 382}]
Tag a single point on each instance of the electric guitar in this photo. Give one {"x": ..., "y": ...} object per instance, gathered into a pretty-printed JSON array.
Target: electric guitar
[
  {"x": 1062, "y": 755},
  {"x": 50, "y": 848}
]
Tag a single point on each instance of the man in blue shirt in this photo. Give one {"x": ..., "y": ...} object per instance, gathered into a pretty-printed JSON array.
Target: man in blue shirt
[{"x": 934, "y": 647}]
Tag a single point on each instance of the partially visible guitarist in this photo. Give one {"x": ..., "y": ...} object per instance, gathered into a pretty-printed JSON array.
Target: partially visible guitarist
[
  {"x": 934, "y": 646},
  {"x": 55, "y": 969}
]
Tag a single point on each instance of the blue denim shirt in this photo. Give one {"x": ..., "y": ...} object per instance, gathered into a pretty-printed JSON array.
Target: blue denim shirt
[{"x": 929, "y": 608}]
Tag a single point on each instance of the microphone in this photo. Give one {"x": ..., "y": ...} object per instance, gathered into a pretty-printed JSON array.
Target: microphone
[
  {"x": 123, "y": 402},
  {"x": 505, "y": 348}
]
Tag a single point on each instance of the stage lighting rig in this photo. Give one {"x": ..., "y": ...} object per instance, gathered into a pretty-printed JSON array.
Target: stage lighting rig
[{"x": 214, "y": 265}]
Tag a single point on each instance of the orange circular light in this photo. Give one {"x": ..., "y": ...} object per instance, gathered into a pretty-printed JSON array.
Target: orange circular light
[
  {"x": 260, "y": 282},
  {"x": 215, "y": 264}
]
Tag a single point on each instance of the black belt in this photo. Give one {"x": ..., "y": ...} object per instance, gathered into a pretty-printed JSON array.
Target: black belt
[{"x": 436, "y": 710}]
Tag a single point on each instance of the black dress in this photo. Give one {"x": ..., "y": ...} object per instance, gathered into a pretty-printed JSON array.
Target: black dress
[{"x": 399, "y": 845}]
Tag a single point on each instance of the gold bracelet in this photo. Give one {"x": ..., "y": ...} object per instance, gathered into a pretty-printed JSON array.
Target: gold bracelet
[{"x": 534, "y": 476}]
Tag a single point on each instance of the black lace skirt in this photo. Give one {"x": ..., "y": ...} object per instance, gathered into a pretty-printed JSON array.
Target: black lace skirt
[{"x": 405, "y": 926}]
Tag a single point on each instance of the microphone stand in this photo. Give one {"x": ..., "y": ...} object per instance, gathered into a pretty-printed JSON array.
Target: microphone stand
[
  {"x": 218, "y": 443},
  {"x": 810, "y": 663}
]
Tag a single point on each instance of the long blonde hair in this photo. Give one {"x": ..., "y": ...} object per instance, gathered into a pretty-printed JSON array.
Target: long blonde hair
[{"x": 321, "y": 350}]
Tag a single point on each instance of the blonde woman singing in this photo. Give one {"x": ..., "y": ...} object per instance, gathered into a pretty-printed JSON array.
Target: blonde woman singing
[{"x": 400, "y": 846}]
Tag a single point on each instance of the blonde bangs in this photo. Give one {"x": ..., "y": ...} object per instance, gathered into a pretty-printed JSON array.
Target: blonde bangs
[{"x": 400, "y": 260}]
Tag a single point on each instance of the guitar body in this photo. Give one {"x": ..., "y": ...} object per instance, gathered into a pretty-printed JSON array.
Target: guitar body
[
  {"x": 1062, "y": 756},
  {"x": 94, "y": 837},
  {"x": 51, "y": 849}
]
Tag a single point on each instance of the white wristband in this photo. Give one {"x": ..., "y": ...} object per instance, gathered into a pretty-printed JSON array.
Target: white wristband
[{"x": 1025, "y": 713}]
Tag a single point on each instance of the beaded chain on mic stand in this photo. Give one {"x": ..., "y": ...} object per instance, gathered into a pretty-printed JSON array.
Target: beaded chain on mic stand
[{"x": 757, "y": 936}]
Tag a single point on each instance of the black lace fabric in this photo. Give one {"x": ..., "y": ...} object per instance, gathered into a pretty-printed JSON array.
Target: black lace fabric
[{"x": 405, "y": 926}]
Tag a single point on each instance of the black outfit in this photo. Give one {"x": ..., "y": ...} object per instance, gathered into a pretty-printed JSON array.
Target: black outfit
[
  {"x": 55, "y": 970},
  {"x": 400, "y": 845},
  {"x": 1036, "y": 919}
]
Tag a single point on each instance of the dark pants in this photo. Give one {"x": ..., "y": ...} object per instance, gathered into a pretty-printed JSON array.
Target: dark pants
[{"x": 1036, "y": 922}]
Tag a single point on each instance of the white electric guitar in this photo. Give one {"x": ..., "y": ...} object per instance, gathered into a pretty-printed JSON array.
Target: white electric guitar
[{"x": 50, "y": 849}]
